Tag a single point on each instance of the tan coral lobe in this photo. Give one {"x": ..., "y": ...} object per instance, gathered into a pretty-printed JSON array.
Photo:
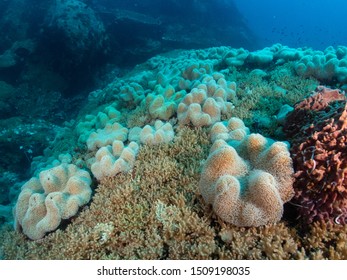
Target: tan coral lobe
[
  {"x": 247, "y": 181},
  {"x": 57, "y": 195}
]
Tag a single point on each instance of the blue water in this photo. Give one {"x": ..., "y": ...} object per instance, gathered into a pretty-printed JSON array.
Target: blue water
[{"x": 297, "y": 23}]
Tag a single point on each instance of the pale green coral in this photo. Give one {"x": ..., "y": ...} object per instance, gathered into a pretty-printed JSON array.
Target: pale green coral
[
  {"x": 91, "y": 123},
  {"x": 105, "y": 136}
]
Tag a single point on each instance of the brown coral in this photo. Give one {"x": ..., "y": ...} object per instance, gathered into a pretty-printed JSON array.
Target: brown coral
[
  {"x": 321, "y": 170},
  {"x": 320, "y": 99},
  {"x": 275, "y": 242},
  {"x": 320, "y": 105},
  {"x": 326, "y": 241}
]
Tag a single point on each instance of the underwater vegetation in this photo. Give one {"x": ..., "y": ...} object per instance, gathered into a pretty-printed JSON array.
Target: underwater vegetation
[{"x": 216, "y": 153}]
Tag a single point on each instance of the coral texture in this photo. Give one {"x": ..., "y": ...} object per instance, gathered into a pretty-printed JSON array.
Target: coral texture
[
  {"x": 91, "y": 123},
  {"x": 159, "y": 133},
  {"x": 55, "y": 196},
  {"x": 324, "y": 65},
  {"x": 111, "y": 160},
  {"x": 233, "y": 129},
  {"x": 320, "y": 105},
  {"x": 248, "y": 181},
  {"x": 104, "y": 137},
  {"x": 320, "y": 99},
  {"x": 320, "y": 166},
  {"x": 162, "y": 103},
  {"x": 204, "y": 105},
  {"x": 166, "y": 219}
]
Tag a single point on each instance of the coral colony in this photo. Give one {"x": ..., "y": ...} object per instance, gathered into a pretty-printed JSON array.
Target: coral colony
[{"x": 204, "y": 154}]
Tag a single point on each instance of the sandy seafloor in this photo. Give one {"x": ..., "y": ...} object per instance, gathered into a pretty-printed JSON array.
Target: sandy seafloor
[{"x": 155, "y": 210}]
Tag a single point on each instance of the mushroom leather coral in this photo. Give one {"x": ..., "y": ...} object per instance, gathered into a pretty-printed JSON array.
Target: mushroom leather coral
[
  {"x": 157, "y": 134},
  {"x": 248, "y": 181},
  {"x": 114, "y": 159},
  {"x": 106, "y": 136},
  {"x": 45, "y": 201},
  {"x": 205, "y": 104}
]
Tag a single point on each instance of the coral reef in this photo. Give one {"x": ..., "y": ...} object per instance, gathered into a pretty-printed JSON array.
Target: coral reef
[
  {"x": 163, "y": 217},
  {"x": 190, "y": 115}
]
